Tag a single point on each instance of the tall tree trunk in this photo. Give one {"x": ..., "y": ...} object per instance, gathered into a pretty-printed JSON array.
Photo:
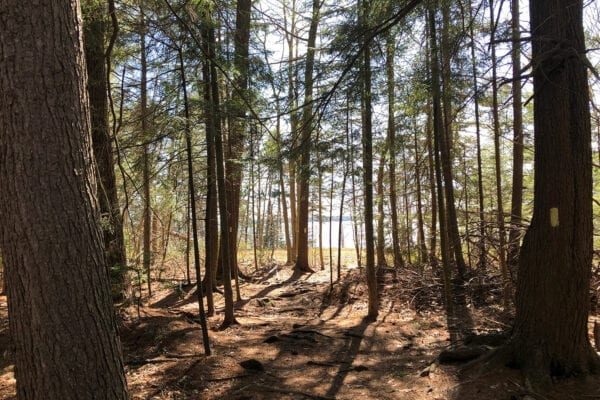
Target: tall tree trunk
[
  {"x": 237, "y": 125},
  {"x": 320, "y": 214},
  {"x": 229, "y": 317},
  {"x": 367, "y": 144},
  {"x": 61, "y": 316},
  {"x": 407, "y": 220},
  {"x": 497, "y": 165},
  {"x": 187, "y": 242},
  {"x": 445, "y": 144},
  {"x": 380, "y": 214},
  {"x": 293, "y": 208},
  {"x": 331, "y": 194},
  {"x": 466, "y": 194},
  {"x": 254, "y": 208},
  {"x": 156, "y": 229},
  {"x": 391, "y": 139},
  {"x": 516, "y": 209},
  {"x": 192, "y": 197},
  {"x": 259, "y": 213},
  {"x": 95, "y": 27},
  {"x": 211, "y": 225},
  {"x": 438, "y": 133},
  {"x": 340, "y": 225},
  {"x": 302, "y": 263},
  {"x": 550, "y": 335},
  {"x": 356, "y": 222},
  {"x": 432, "y": 185},
  {"x": 420, "y": 220},
  {"x": 482, "y": 250},
  {"x": 291, "y": 40},
  {"x": 284, "y": 206},
  {"x": 347, "y": 169},
  {"x": 147, "y": 233}
]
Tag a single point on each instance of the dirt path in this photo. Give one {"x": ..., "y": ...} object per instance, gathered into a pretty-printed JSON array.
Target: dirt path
[
  {"x": 299, "y": 340},
  {"x": 308, "y": 342}
]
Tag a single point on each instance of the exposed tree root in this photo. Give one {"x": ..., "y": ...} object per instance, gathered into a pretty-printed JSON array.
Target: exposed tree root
[
  {"x": 462, "y": 354},
  {"x": 539, "y": 370},
  {"x": 228, "y": 324}
]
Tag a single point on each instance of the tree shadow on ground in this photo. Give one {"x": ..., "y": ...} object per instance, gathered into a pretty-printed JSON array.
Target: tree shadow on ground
[
  {"x": 350, "y": 351},
  {"x": 302, "y": 352},
  {"x": 153, "y": 335},
  {"x": 458, "y": 316},
  {"x": 296, "y": 276},
  {"x": 340, "y": 294},
  {"x": 308, "y": 342},
  {"x": 177, "y": 298}
]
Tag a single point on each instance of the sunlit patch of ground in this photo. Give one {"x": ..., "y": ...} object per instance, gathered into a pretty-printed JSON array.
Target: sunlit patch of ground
[{"x": 309, "y": 342}]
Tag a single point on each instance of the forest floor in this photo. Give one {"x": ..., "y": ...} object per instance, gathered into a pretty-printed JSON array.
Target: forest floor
[{"x": 298, "y": 339}]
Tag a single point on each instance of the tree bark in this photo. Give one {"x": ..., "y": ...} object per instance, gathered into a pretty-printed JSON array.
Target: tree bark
[
  {"x": 211, "y": 223},
  {"x": 320, "y": 212},
  {"x": 445, "y": 143},
  {"x": 482, "y": 247},
  {"x": 302, "y": 263},
  {"x": 95, "y": 27},
  {"x": 341, "y": 222},
  {"x": 381, "y": 262},
  {"x": 516, "y": 209},
  {"x": 147, "y": 215},
  {"x": 61, "y": 317},
  {"x": 229, "y": 317},
  {"x": 437, "y": 139},
  {"x": 237, "y": 123},
  {"x": 291, "y": 39},
  {"x": 420, "y": 219},
  {"x": 550, "y": 332},
  {"x": 357, "y": 235},
  {"x": 391, "y": 139},
  {"x": 367, "y": 144},
  {"x": 192, "y": 202},
  {"x": 254, "y": 208},
  {"x": 497, "y": 165},
  {"x": 407, "y": 219},
  {"x": 283, "y": 197},
  {"x": 432, "y": 186}
]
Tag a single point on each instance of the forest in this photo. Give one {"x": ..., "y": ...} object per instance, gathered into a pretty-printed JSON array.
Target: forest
[{"x": 289, "y": 199}]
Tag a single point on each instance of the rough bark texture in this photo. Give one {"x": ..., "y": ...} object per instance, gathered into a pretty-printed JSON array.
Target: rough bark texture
[
  {"x": 432, "y": 187},
  {"x": 420, "y": 220},
  {"x": 211, "y": 222},
  {"x": 391, "y": 140},
  {"x": 95, "y": 24},
  {"x": 302, "y": 263},
  {"x": 367, "y": 145},
  {"x": 192, "y": 202},
  {"x": 217, "y": 140},
  {"x": 293, "y": 208},
  {"x": 320, "y": 212},
  {"x": 550, "y": 332},
  {"x": 381, "y": 262},
  {"x": 147, "y": 233},
  {"x": 498, "y": 165},
  {"x": 482, "y": 247},
  {"x": 292, "y": 104},
  {"x": 517, "y": 173},
  {"x": 61, "y": 316},
  {"x": 446, "y": 139},
  {"x": 283, "y": 199},
  {"x": 437, "y": 135},
  {"x": 237, "y": 123}
]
